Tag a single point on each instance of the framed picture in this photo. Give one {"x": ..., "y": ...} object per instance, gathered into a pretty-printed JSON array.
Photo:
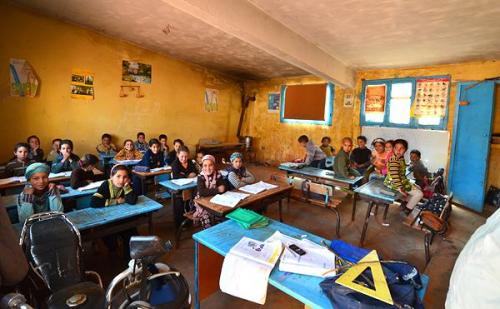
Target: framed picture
[
  {"x": 273, "y": 102},
  {"x": 82, "y": 85},
  {"x": 348, "y": 99},
  {"x": 136, "y": 72}
]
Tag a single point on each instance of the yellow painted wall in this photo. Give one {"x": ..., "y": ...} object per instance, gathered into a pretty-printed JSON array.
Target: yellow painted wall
[
  {"x": 173, "y": 103},
  {"x": 275, "y": 141}
]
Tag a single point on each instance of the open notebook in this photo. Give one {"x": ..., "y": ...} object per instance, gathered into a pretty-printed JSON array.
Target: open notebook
[
  {"x": 184, "y": 181},
  {"x": 229, "y": 198},
  {"x": 14, "y": 179},
  {"x": 90, "y": 186},
  {"x": 246, "y": 269},
  {"x": 257, "y": 187}
]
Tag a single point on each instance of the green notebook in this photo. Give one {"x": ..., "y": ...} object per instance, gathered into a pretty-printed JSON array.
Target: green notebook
[{"x": 248, "y": 219}]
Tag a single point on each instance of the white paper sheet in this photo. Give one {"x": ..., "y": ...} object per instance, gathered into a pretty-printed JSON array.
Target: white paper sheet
[
  {"x": 14, "y": 179},
  {"x": 163, "y": 168},
  {"x": 229, "y": 198},
  {"x": 257, "y": 187},
  {"x": 184, "y": 181},
  {"x": 90, "y": 186},
  {"x": 246, "y": 269}
]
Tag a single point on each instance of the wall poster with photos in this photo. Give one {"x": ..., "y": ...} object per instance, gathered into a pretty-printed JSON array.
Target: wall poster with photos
[
  {"x": 82, "y": 85},
  {"x": 375, "y": 98},
  {"x": 431, "y": 97}
]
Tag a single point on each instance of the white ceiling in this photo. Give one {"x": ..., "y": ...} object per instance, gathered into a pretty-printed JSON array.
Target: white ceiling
[
  {"x": 362, "y": 34},
  {"x": 394, "y": 33}
]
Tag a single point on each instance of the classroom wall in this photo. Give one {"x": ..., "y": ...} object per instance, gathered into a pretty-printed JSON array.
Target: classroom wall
[
  {"x": 494, "y": 160},
  {"x": 173, "y": 103},
  {"x": 277, "y": 141}
]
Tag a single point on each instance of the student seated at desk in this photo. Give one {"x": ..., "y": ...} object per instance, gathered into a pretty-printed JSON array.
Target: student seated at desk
[
  {"x": 106, "y": 147},
  {"x": 182, "y": 167},
  {"x": 141, "y": 144},
  {"x": 84, "y": 174},
  {"x": 237, "y": 175},
  {"x": 18, "y": 164},
  {"x": 389, "y": 151},
  {"x": 115, "y": 191},
  {"x": 342, "y": 164},
  {"x": 128, "y": 152},
  {"x": 164, "y": 145},
  {"x": 417, "y": 167},
  {"x": 379, "y": 159},
  {"x": 198, "y": 160},
  {"x": 66, "y": 161},
  {"x": 56, "y": 145},
  {"x": 38, "y": 195},
  {"x": 172, "y": 155},
  {"x": 326, "y": 147},
  {"x": 361, "y": 156},
  {"x": 210, "y": 182},
  {"x": 396, "y": 175},
  {"x": 35, "y": 152},
  {"x": 153, "y": 158},
  {"x": 315, "y": 157}
]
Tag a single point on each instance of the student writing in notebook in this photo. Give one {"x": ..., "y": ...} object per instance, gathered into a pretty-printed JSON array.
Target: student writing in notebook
[
  {"x": 315, "y": 157},
  {"x": 106, "y": 147},
  {"x": 54, "y": 152},
  {"x": 116, "y": 190},
  {"x": 141, "y": 144},
  {"x": 84, "y": 174},
  {"x": 128, "y": 152},
  {"x": 66, "y": 161},
  {"x": 36, "y": 153},
  {"x": 18, "y": 164},
  {"x": 38, "y": 195},
  {"x": 209, "y": 183},
  {"x": 182, "y": 167},
  {"x": 238, "y": 175}
]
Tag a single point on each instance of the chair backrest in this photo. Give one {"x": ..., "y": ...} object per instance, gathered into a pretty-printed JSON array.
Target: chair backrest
[
  {"x": 53, "y": 246},
  {"x": 445, "y": 214}
]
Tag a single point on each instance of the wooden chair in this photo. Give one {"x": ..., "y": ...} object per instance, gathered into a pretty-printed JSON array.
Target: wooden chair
[{"x": 434, "y": 224}]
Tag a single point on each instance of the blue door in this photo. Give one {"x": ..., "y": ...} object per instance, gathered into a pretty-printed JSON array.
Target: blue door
[{"x": 471, "y": 143}]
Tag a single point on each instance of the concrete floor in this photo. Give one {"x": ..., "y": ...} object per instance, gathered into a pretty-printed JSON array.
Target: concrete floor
[{"x": 396, "y": 241}]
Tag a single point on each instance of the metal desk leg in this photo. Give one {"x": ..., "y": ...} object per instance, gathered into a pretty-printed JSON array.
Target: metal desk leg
[
  {"x": 144, "y": 187},
  {"x": 337, "y": 229},
  {"x": 280, "y": 203},
  {"x": 384, "y": 222},
  {"x": 196, "y": 277},
  {"x": 365, "y": 226},
  {"x": 354, "y": 198}
]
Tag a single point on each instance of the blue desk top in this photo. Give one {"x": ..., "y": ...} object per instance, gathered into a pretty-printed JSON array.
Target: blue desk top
[
  {"x": 320, "y": 173},
  {"x": 372, "y": 190},
  {"x": 94, "y": 217},
  {"x": 173, "y": 187},
  {"x": 11, "y": 200},
  {"x": 222, "y": 237}
]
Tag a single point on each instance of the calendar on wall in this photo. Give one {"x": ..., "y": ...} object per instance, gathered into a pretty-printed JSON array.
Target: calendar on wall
[{"x": 431, "y": 97}]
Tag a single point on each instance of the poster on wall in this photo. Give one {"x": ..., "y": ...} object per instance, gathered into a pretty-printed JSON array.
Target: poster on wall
[
  {"x": 273, "y": 102},
  {"x": 348, "y": 99},
  {"x": 431, "y": 97},
  {"x": 82, "y": 85},
  {"x": 375, "y": 96},
  {"x": 23, "y": 79},
  {"x": 136, "y": 72},
  {"x": 211, "y": 104}
]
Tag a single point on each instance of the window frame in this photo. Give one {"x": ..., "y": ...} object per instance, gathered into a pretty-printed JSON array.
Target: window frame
[
  {"x": 330, "y": 96},
  {"x": 413, "y": 121}
]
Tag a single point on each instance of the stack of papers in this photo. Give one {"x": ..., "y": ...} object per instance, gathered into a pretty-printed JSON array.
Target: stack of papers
[
  {"x": 91, "y": 186},
  {"x": 246, "y": 269},
  {"x": 163, "y": 168},
  {"x": 257, "y": 187},
  {"x": 5, "y": 181},
  {"x": 184, "y": 181},
  {"x": 248, "y": 219},
  {"x": 318, "y": 260},
  {"x": 229, "y": 198}
]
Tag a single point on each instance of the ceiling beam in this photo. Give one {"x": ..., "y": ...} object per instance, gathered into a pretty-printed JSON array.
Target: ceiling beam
[{"x": 246, "y": 22}]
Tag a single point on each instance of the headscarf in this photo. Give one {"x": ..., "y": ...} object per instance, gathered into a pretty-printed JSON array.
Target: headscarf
[
  {"x": 240, "y": 171},
  {"x": 235, "y": 156},
  {"x": 208, "y": 157},
  {"x": 36, "y": 168},
  {"x": 210, "y": 180}
]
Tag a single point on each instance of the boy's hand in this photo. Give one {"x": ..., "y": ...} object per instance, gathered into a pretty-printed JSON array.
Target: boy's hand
[
  {"x": 120, "y": 200},
  {"x": 403, "y": 192},
  {"x": 351, "y": 177},
  {"x": 221, "y": 188}
]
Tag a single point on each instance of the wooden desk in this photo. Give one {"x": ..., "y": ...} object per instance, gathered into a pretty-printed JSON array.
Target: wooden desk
[
  {"x": 261, "y": 199},
  {"x": 95, "y": 223},
  {"x": 82, "y": 201},
  {"x": 211, "y": 245},
  {"x": 145, "y": 175},
  {"x": 371, "y": 193}
]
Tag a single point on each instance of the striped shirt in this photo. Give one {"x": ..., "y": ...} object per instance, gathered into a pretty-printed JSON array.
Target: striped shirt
[{"x": 396, "y": 174}]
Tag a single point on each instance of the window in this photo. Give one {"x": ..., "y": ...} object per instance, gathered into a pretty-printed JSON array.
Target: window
[
  {"x": 397, "y": 108},
  {"x": 311, "y": 104}
]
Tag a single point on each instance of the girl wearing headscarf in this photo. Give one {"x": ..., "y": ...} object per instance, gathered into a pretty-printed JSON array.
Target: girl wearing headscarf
[
  {"x": 238, "y": 176},
  {"x": 210, "y": 182},
  {"x": 38, "y": 195}
]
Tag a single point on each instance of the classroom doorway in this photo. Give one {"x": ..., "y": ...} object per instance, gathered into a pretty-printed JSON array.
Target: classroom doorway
[{"x": 471, "y": 143}]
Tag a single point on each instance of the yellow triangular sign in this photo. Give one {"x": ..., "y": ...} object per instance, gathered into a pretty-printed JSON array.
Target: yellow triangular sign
[{"x": 381, "y": 291}]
